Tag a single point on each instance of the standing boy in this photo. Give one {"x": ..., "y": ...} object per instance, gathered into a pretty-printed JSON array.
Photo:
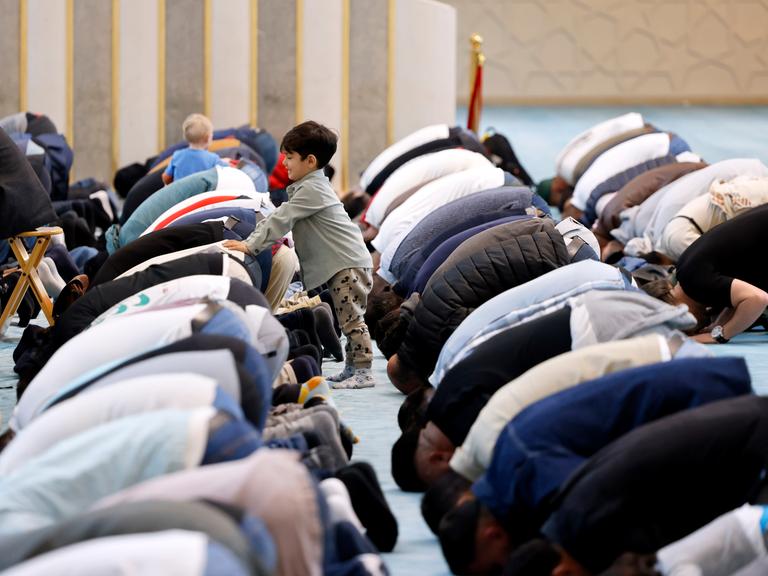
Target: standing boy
[
  {"x": 330, "y": 247},
  {"x": 198, "y": 132}
]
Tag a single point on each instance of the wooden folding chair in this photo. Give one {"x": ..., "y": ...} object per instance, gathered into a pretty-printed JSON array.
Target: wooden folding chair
[{"x": 29, "y": 276}]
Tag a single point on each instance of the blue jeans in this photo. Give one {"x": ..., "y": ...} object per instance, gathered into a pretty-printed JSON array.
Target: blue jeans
[{"x": 233, "y": 440}]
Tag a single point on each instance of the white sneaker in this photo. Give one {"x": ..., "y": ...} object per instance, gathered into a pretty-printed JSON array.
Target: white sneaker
[{"x": 361, "y": 378}]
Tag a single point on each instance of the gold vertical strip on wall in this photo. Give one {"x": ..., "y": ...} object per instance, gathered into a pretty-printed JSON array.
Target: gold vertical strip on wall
[
  {"x": 115, "y": 84},
  {"x": 254, "y": 103},
  {"x": 299, "y": 61},
  {"x": 70, "y": 72},
  {"x": 160, "y": 75},
  {"x": 345, "y": 39},
  {"x": 207, "y": 56},
  {"x": 391, "y": 29},
  {"x": 23, "y": 55}
]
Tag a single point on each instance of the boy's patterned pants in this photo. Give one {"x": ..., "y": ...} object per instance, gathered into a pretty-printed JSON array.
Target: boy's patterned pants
[{"x": 349, "y": 290}]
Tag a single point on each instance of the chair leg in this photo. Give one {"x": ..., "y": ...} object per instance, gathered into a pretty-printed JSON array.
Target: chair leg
[
  {"x": 29, "y": 279},
  {"x": 34, "y": 278},
  {"x": 36, "y": 284},
  {"x": 15, "y": 300}
]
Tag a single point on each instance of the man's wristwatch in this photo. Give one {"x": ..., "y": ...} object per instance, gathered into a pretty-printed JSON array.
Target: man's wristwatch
[{"x": 717, "y": 335}]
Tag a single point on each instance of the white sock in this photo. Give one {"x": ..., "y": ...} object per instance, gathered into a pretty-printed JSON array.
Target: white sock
[
  {"x": 360, "y": 378},
  {"x": 50, "y": 277},
  {"x": 348, "y": 371},
  {"x": 58, "y": 240},
  {"x": 339, "y": 503},
  {"x": 103, "y": 199}
]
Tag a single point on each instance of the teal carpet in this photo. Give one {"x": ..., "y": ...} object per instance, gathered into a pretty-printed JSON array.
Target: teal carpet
[{"x": 714, "y": 132}]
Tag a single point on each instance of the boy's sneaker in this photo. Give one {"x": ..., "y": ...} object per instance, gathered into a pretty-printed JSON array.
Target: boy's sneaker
[
  {"x": 348, "y": 371},
  {"x": 361, "y": 378}
]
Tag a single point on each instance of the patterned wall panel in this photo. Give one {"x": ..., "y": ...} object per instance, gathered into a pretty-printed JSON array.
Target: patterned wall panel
[
  {"x": 9, "y": 57},
  {"x": 628, "y": 50},
  {"x": 92, "y": 91},
  {"x": 184, "y": 64},
  {"x": 322, "y": 84},
  {"x": 367, "y": 83},
  {"x": 277, "y": 66},
  {"x": 230, "y": 63}
]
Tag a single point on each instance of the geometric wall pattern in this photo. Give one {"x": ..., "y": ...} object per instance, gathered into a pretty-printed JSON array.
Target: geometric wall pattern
[{"x": 646, "y": 51}]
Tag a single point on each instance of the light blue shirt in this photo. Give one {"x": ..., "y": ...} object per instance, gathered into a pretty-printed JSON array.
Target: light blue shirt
[
  {"x": 190, "y": 161},
  {"x": 519, "y": 302},
  {"x": 75, "y": 473}
]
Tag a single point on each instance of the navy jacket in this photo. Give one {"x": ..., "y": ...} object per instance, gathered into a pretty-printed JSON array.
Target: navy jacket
[
  {"x": 544, "y": 444},
  {"x": 417, "y": 275},
  {"x": 24, "y": 204},
  {"x": 663, "y": 481},
  {"x": 454, "y": 217},
  {"x": 479, "y": 269},
  {"x": 617, "y": 182}
]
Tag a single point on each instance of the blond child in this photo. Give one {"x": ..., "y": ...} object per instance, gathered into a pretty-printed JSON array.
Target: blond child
[{"x": 198, "y": 132}]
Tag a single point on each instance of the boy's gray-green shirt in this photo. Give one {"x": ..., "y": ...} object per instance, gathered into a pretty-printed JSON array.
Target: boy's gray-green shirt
[{"x": 325, "y": 238}]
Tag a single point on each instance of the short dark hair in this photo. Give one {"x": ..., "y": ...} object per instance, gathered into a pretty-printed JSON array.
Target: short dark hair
[
  {"x": 403, "y": 461},
  {"x": 310, "y": 138},
  {"x": 390, "y": 332},
  {"x": 355, "y": 202},
  {"x": 442, "y": 497},
  {"x": 457, "y": 535},
  {"x": 661, "y": 289},
  {"x": 381, "y": 300},
  {"x": 6, "y": 437},
  {"x": 413, "y": 410},
  {"x": 534, "y": 558}
]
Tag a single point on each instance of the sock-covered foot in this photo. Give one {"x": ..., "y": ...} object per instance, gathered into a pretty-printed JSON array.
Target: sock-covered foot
[
  {"x": 325, "y": 296},
  {"x": 325, "y": 331},
  {"x": 102, "y": 198},
  {"x": 52, "y": 281},
  {"x": 348, "y": 371},
  {"x": 315, "y": 387},
  {"x": 348, "y": 439},
  {"x": 369, "y": 504},
  {"x": 305, "y": 367},
  {"x": 362, "y": 378}
]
